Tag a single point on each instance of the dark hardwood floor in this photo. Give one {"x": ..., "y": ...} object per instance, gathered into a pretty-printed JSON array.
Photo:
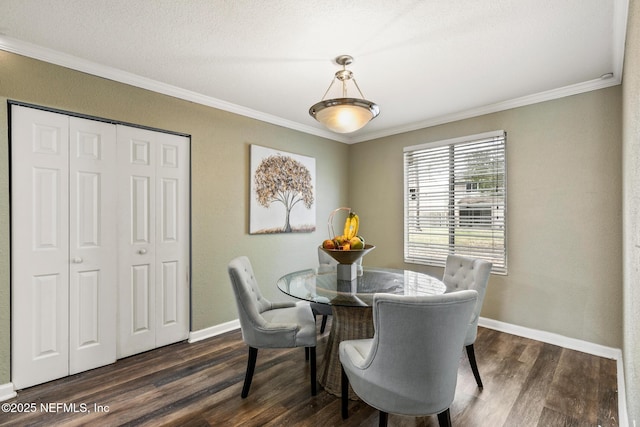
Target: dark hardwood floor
[{"x": 526, "y": 383}]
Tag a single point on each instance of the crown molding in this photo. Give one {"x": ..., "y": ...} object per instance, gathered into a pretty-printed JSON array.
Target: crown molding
[
  {"x": 494, "y": 108},
  {"x": 620, "y": 18},
  {"x": 621, "y": 8},
  {"x": 68, "y": 61}
]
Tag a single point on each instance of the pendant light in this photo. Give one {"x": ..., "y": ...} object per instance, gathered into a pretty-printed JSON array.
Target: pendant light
[{"x": 344, "y": 115}]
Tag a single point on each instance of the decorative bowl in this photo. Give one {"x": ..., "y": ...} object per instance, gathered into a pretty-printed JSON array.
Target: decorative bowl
[{"x": 350, "y": 256}]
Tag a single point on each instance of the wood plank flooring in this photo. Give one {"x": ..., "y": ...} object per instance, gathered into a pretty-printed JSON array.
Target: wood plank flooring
[{"x": 526, "y": 383}]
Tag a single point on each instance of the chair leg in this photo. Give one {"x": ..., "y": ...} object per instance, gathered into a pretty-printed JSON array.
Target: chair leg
[
  {"x": 474, "y": 367},
  {"x": 251, "y": 367},
  {"x": 383, "y": 419},
  {"x": 306, "y": 353},
  {"x": 314, "y": 387},
  {"x": 324, "y": 323},
  {"x": 344, "y": 394},
  {"x": 444, "y": 418}
]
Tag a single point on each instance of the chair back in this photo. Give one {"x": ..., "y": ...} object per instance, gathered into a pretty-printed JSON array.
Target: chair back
[
  {"x": 461, "y": 273},
  {"x": 416, "y": 350},
  {"x": 249, "y": 299}
]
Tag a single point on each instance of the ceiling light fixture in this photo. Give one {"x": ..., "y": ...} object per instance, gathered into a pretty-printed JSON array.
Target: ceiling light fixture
[{"x": 344, "y": 114}]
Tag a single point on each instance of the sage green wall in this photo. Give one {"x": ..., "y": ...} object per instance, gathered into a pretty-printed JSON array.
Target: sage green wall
[
  {"x": 631, "y": 212},
  {"x": 220, "y": 180},
  {"x": 564, "y": 179},
  {"x": 564, "y": 220}
]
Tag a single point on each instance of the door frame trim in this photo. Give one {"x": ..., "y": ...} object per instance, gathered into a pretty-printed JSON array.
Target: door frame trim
[{"x": 11, "y": 102}]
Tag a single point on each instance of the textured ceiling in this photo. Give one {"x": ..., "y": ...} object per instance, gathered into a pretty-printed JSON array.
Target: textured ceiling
[{"x": 422, "y": 61}]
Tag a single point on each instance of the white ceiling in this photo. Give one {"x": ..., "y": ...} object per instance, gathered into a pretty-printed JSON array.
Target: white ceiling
[{"x": 423, "y": 62}]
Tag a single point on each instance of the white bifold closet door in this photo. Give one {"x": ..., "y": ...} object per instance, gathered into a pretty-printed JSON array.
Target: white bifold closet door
[
  {"x": 153, "y": 239},
  {"x": 99, "y": 243},
  {"x": 63, "y": 190}
]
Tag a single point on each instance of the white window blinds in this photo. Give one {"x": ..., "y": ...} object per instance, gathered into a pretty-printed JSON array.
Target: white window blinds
[{"x": 455, "y": 200}]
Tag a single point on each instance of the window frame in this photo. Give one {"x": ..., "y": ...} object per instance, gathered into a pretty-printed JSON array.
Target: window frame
[{"x": 497, "y": 224}]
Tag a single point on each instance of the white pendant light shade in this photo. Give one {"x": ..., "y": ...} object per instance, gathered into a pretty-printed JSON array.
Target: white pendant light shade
[{"x": 344, "y": 115}]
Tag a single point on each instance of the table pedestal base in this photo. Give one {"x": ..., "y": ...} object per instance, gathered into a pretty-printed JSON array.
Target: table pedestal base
[{"x": 348, "y": 323}]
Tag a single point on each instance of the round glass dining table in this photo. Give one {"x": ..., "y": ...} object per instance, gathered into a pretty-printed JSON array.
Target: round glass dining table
[{"x": 351, "y": 303}]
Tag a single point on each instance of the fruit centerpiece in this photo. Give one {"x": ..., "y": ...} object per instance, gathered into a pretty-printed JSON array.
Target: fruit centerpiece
[{"x": 347, "y": 248}]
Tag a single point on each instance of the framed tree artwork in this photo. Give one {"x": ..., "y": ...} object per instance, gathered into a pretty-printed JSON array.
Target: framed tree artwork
[{"x": 283, "y": 187}]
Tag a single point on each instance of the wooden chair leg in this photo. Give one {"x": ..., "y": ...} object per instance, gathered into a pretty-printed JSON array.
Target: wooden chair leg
[
  {"x": 344, "y": 394},
  {"x": 444, "y": 418},
  {"x": 251, "y": 366},
  {"x": 314, "y": 387},
  {"x": 471, "y": 354},
  {"x": 324, "y": 324},
  {"x": 383, "y": 419}
]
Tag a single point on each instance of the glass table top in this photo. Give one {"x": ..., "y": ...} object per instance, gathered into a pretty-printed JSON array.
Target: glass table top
[{"x": 324, "y": 286}]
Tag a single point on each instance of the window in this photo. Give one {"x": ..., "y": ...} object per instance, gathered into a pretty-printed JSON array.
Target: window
[
  {"x": 472, "y": 186},
  {"x": 455, "y": 200}
]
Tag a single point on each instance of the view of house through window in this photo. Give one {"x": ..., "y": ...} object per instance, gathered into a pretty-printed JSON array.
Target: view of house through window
[{"x": 455, "y": 200}]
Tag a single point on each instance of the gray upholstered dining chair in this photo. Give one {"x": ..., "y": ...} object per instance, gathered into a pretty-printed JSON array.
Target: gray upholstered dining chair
[
  {"x": 327, "y": 263},
  {"x": 469, "y": 273},
  {"x": 267, "y": 324},
  {"x": 410, "y": 366}
]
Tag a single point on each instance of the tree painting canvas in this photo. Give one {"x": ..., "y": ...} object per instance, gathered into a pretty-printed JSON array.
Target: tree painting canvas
[{"x": 283, "y": 187}]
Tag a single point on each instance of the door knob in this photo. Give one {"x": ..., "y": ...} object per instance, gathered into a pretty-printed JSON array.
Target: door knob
[
  {"x": 142, "y": 251},
  {"x": 77, "y": 260}
]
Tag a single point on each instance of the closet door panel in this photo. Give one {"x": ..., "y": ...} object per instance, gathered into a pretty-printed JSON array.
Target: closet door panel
[
  {"x": 154, "y": 239},
  {"x": 136, "y": 240},
  {"x": 88, "y": 324},
  {"x": 46, "y": 212},
  {"x": 47, "y": 339},
  {"x": 39, "y": 246},
  {"x": 93, "y": 244},
  {"x": 141, "y": 299},
  {"x": 172, "y": 245}
]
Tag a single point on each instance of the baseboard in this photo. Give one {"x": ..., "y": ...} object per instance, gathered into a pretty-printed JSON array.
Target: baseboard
[
  {"x": 213, "y": 331},
  {"x": 572, "y": 344},
  {"x": 622, "y": 397},
  {"x": 551, "y": 338},
  {"x": 7, "y": 392}
]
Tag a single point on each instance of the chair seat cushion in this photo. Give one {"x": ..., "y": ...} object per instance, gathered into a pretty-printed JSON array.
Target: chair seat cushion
[
  {"x": 356, "y": 351},
  {"x": 284, "y": 318}
]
